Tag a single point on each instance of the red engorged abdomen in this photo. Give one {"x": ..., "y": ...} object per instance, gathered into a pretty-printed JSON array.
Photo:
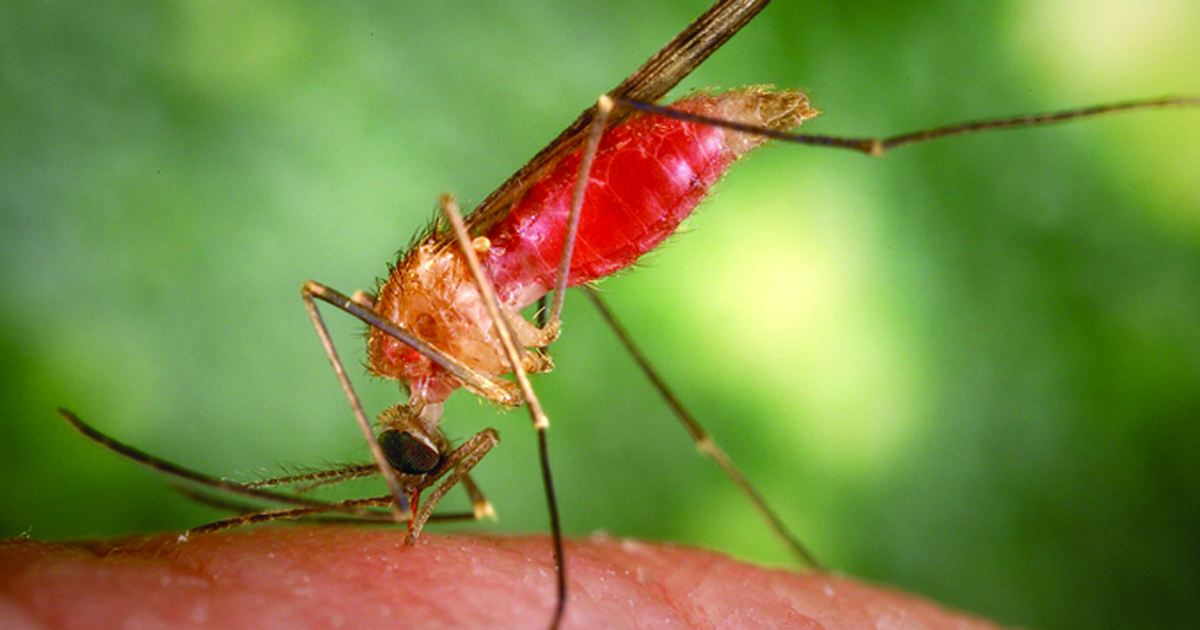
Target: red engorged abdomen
[{"x": 648, "y": 175}]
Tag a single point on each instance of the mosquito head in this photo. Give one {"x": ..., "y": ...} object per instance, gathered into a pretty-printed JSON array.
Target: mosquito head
[
  {"x": 408, "y": 444},
  {"x": 408, "y": 453}
]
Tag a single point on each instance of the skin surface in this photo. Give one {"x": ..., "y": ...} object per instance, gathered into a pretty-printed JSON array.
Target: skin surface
[{"x": 357, "y": 577}]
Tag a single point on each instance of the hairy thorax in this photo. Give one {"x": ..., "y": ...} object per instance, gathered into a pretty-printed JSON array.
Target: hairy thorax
[{"x": 431, "y": 294}]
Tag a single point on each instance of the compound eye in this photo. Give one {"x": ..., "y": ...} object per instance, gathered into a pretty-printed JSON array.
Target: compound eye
[{"x": 407, "y": 454}]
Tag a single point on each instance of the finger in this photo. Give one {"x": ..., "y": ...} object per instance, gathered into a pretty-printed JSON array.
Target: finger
[{"x": 332, "y": 576}]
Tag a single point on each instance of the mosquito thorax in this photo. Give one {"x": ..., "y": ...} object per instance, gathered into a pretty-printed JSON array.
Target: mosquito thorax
[{"x": 430, "y": 293}]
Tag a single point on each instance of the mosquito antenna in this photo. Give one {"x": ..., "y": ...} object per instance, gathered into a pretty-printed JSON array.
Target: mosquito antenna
[
  {"x": 540, "y": 422},
  {"x": 704, "y": 441},
  {"x": 879, "y": 146},
  {"x": 317, "y": 478}
]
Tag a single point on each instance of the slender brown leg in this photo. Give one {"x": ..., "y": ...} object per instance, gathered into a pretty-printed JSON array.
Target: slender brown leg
[
  {"x": 267, "y": 516},
  {"x": 400, "y": 509},
  {"x": 704, "y": 442},
  {"x": 879, "y": 146},
  {"x": 540, "y": 422},
  {"x": 190, "y": 476},
  {"x": 334, "y": 509},
  {"x": 307, "y": 482},
  {"x": 495, "y": 389},
  {"x": 482, "y": 507},
  {"x": 242, "y": 494},
  {"x": 604, "y": 107}
]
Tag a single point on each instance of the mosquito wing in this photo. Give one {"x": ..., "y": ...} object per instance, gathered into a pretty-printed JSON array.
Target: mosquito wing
[{"x": 650, "y": 82}]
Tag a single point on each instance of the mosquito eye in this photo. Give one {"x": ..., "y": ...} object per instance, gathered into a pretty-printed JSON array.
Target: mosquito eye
[{"x": 407, "y": 454}]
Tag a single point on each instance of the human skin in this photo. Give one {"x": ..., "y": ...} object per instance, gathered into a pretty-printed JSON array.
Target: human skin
[{"x": 358, "y": 577}]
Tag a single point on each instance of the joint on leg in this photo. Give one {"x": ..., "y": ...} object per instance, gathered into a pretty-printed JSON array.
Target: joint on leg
[{"x": 363, "y": 299}]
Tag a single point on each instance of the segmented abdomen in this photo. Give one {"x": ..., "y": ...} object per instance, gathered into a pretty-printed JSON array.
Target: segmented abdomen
[{"x": 648, "y": 175}]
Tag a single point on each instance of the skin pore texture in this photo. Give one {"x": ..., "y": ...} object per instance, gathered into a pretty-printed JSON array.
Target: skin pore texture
[{"x": 360, "y": 577}]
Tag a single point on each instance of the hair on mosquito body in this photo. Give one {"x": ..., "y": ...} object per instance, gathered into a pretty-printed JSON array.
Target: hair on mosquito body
[{"x": 862, "y": 385}]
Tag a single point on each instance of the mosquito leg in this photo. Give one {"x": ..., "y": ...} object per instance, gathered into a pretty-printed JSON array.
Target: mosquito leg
[
  {"x": 604, "y": 107},
  {"x": 458, "y": 465},
  {"x": 540, "y": 422},
  {"x": 266, "y": 516},
  {"x": 400, "y": 509},
  {"x": 243, "y": 492},
  {"x": 363, "y": 299},
  {"x": 179, "y": 472},
  {"x": 334, "y": 510},
  {"x": 495, "y": 389},
  {"x": 879, "y": 146},
  {"x": 482, "y": 507},
  {"x": 704, "y": 441}
]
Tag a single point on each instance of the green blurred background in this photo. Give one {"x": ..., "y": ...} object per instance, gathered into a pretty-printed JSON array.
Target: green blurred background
[{"x": 969, "y": 370}]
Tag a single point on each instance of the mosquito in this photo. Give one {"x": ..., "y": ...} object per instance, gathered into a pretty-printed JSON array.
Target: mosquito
[{"x": 607, "y": 190}]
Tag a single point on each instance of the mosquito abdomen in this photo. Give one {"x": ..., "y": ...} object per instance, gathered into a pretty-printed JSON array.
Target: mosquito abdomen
[{"x": 649, "y": 174}]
